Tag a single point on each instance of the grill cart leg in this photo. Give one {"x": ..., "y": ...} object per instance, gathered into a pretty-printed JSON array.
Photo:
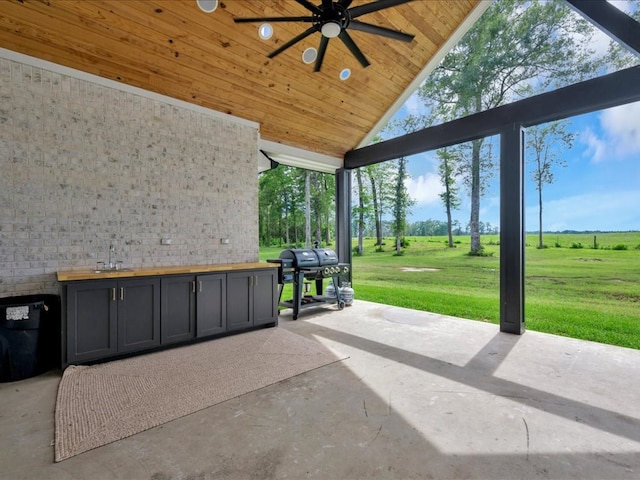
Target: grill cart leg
[{"x": 297, "y": 293}]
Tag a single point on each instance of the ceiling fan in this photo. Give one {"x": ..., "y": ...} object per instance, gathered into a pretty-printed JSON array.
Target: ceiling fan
[{"x": 332, "y": 18}]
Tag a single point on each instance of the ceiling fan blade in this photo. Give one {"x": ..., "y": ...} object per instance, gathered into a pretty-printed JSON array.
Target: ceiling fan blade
[
  {"x": 324, "y": 41},
  {"x": 295, "y": 40},
  {"x": 345, "y": 3},
  {"x": 327, "y": 4},
  {"x": 309, "y": 6},
  {"x": 273, "y": 19},
  {"x": 353, "y": 48},
  {"x": 382, "y": 31},
  {"x": 375, "y": 6}
]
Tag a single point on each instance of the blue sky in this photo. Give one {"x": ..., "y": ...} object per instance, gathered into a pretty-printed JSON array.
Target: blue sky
[{"x": 599, "y": 189}]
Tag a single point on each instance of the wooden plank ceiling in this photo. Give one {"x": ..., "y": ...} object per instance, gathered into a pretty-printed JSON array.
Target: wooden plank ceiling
[{"x": 173, "y": 48}]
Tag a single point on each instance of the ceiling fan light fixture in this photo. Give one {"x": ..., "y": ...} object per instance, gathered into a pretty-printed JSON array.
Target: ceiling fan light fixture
[
  {"x": 331, "y": 29},
  {"x": 207, "y": 6},
  {"x": 265, "y": 31}
]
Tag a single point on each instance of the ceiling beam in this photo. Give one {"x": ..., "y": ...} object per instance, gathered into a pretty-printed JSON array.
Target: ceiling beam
[
  {"x": 611, "y": 20},
  {"x": 608, "y": 91}
]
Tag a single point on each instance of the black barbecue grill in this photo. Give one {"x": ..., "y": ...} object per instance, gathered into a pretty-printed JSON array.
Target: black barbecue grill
[{"x": 299, "y": 264}]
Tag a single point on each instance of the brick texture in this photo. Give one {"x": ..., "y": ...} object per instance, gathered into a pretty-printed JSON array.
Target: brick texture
[{"x": 85, "y": 166}]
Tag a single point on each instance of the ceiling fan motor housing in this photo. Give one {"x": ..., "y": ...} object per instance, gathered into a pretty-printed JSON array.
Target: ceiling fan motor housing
[{"x": 331, "y": 21}]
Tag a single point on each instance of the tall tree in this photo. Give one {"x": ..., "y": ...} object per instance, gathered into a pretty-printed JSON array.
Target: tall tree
[
  {"x": 307, "y": 208},
  {"x": 382, "y": 189},
  {"x": 515, "y": 49},
  {"x": 361, "y": 209},
  {"x": 543, "y": 141},
  {"x": 402, "y": 204},
  {"x": 447, "y": 169}
]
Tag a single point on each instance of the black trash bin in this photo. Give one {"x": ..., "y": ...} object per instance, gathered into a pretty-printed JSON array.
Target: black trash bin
[{"x": 27, "y": 335}]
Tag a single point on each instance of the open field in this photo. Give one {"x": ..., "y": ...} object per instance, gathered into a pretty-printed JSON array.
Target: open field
[{"x": 586, "y": 293}]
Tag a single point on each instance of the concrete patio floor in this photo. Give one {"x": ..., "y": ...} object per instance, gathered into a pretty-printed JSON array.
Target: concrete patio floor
[{"x": 420, "y": 396}]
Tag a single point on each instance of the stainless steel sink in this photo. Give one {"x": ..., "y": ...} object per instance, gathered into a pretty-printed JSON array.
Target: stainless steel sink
[{"x": 111, "y": 270}]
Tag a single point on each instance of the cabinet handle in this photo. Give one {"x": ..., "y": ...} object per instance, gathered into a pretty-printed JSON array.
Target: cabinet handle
[
  {"x": 113, "y": 294},
  {"x": 200, "y": 285},
  {"x": 121, "y": 293},
  {"x": 256, "y": 284},
  {"x": 251, "y": 281},
  {"x": 193, "y": 286}
]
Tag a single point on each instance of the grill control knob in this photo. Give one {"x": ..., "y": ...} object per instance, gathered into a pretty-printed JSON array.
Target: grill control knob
[
  {"x": 345, "y": 269},
  {"x": 325, "y": 271}
]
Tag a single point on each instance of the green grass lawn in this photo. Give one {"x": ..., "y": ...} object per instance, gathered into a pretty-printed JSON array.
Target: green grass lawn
[{"x": 586, "y": 293}]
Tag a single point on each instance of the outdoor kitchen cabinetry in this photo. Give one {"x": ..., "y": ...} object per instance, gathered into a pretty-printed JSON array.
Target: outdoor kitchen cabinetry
[
  {"x": 192, "y": 306},
  {"x": 133, "y": 311},
  {"x": 109, "y": 317},
  {"x": 251, "y": 298}
]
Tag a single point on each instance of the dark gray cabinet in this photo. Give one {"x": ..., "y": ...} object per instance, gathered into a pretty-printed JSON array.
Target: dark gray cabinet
[
  {"x": 192, "y": 306},
  {"x": 138, "y": 314},
  {"x": 103, "y": 318},
  {"x": 108, "y": 317},
  {"x": 178, "y": 317},
  {"x": 211, "y": 304},
  {"x": 251, "y": 299},
  {"x": 91, "y": 321}
]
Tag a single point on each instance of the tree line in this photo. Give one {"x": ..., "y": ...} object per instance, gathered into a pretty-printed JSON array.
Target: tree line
[{"x": 297, "y": 207}]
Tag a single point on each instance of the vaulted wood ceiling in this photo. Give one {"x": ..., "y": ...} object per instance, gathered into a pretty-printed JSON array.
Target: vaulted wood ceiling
[{"x": 173, "y": 48}]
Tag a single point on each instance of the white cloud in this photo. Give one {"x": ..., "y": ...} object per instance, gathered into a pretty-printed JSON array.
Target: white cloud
[
  {"x": 414, "y": 105},
  {"x": 425, "y": 188},
  {"x": 621, "y": 124},
  {"x": 596, "y": 147},
  {"x": 590, "y": 211},
  {"x": 620, "y": 134}
]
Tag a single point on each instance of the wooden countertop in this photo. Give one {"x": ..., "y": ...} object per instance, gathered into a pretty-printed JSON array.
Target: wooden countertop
[{"x": 90, "y": 274}]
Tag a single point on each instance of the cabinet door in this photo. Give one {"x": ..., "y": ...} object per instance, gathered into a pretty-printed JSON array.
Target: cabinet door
[
  {"x": 178, "y": 313},
  {"x": 138, "y": 314},
  {"x": 265, "y": 297},
  {"x": 211, "y": 304},
  {"x": 91, "y": 320},
  {"x": 239, "y": 300}
]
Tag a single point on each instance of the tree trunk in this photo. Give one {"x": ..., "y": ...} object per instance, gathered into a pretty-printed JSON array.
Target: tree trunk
[
  {"x": 449, "y": 226},
  {"x": 540, "y": 245},
  {"x": 286, "y": 227},
  {"x": 328, "y": 232},
  {"x": 307, "y": 209},
  {"x": 376, "y": 210},
  {"x": 474, "y": 221},
  {"x": 360, "y": 211}
]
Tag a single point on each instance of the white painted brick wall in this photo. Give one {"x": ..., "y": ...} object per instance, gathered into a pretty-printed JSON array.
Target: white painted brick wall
[{"x": 84, "y": 165}]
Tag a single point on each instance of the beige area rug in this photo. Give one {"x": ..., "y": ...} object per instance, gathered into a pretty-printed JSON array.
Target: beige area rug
[{"x": 103, "y": 403}]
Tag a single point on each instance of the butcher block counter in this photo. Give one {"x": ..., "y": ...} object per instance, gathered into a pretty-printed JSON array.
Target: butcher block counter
[
  {"x": 91, "y": 274},
  {"x": 115, "y": 313}
]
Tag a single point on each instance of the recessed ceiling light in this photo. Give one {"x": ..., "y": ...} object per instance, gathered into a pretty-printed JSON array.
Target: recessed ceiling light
[
  {"x": 309, "y": 55},
  {"x": 265, "y": 31},
  {"x": 345, "y": 74},
  {"x": 207, "y": 6}
]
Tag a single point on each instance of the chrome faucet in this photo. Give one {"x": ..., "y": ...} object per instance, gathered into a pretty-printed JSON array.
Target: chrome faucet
[
  {"x": 111, "y": 264},
  {"x": 112, "y": 250}
]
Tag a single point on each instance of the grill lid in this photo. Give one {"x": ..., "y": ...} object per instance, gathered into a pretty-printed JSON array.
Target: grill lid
[
  {"x": 310, "y": 257},
  {"x": 326, "y": 256},
  {"x": 302, "y": 257}
]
